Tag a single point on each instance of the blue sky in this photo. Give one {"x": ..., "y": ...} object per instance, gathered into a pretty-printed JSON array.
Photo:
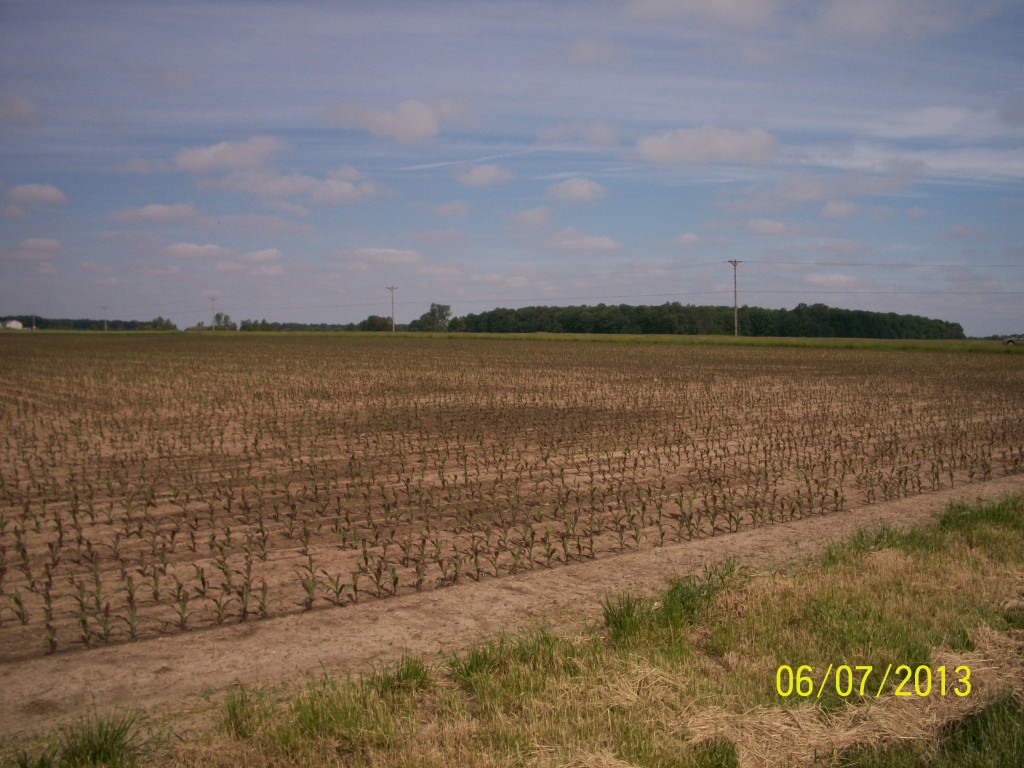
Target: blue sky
[{"x": 292, "y": 159}]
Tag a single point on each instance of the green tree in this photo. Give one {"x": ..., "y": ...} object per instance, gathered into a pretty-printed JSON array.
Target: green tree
[
  {"x": 375, "y": 323},
  {"x": 222, "y": 321},
  {"x": 435, "y": 319}
]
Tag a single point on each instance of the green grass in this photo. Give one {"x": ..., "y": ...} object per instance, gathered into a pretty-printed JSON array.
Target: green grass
[
  {"x": 926, "y": 345},
  {"x": 114, "y": 739},
  {"x": 992, "y": 738}
]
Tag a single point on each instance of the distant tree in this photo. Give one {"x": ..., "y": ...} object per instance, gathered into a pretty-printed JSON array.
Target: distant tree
[
  {"x": 159, "y": 323},
  {"x": 222, "y": 321},
  {"x": 435, "y": 319},
  {"x": 375, "y": 323}
]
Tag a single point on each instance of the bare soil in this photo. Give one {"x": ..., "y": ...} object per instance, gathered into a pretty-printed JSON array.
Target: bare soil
[{"x": 180, "y": 676}]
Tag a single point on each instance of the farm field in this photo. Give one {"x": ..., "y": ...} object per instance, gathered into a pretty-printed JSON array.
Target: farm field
[{"x": 152, "y": 485}]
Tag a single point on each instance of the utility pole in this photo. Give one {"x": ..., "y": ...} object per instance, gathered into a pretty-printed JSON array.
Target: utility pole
[
  {"x": 213, "y": 313},
  {"x": 104, "y": 318},
  {"x": 735, "y": 299},
  {"x": 392, "y": 289}
]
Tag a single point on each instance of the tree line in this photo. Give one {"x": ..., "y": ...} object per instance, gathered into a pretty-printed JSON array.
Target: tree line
[
  {"x": 88, "y": 324},
  {"x": 815, "y": 320}
]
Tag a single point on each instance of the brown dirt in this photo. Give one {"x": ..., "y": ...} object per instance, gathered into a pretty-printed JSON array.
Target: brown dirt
[{"x": 177, "y": 676}]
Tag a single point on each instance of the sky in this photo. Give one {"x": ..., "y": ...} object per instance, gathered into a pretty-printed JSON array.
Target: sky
[{"x": 291, "y": 160}]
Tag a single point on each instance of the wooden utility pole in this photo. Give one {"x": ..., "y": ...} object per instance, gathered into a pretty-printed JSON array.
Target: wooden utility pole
[
  {"x": 735, "y": 299},
  {"x": 392, "y": 289},
  {"x": 104, "y": 318}
]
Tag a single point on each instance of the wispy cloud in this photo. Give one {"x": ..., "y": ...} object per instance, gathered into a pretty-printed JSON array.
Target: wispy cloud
[
  {"x": 484, "y": 175},
  {"x": 196, "y": 251},
  {"x": 569, "y": 239},
  {"x": 577, "y": 190},
  {"x": 386, "y": 256},
  {"x": 345, "y": 185},
  {"x": 410, "y": 122},
  {"x": 533, "y": 217},
  {"x": 36, "y": 194},
  {"x": 157, "y": 213},
  {"x": 455, "y": 209},
  {"x": 708, "y": 144},
  {"x": 250, "y": 153},
  {"x": 592, "y": 52},
  {"x": 729, "y": 13},
  {"x": 596, "y": 132},
  {"x": 33, "y": 249},
  {"x": 17, "y": 110}
]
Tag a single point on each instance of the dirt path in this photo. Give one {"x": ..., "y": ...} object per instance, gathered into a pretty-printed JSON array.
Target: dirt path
[{"x": 178, "y": 674}]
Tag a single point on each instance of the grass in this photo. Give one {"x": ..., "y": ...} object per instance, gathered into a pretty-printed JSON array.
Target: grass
[
  {"x": 920, "y": 345},
  {"x": 992, "y": 738},
  {"x": 114, "y": 739},
  {"x": 682, "y": 679}
]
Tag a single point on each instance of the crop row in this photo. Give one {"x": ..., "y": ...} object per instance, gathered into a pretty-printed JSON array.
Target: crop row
[{"x": 161, "y": 484}]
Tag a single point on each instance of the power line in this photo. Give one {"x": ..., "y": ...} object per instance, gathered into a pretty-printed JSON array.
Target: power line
[
  {"x": 735, "y": 299},
  {"x": 392, "y": 289}
]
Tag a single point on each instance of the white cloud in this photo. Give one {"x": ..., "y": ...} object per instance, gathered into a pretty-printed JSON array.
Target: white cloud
[
  {"x": 804, "y": 187},
  {"x": 140, "y": 166},
  {"x": 591, "y": 52},
  {"x": 834, "y": 282},
  {"x": 268, "y": 226},
  {"x": 41, "y": 244},
  {"x": 439, "y": 237},
  {"x": 708, "y": 144},
  {"x": 577, "y": 191},
  {"x": 964, "y": 232},
  {"x": 410, "y": 122},
  {"x": 445, "y": 271},
  {"x": 33, "y": 249},
  {"x": 35, "y": 194},
  {"x": 195, "y": 251},
  {"x": 271, "y": 270},
  {"x": 569, "y": 239},
  {"x": 101, "y": 269},
  {"x": 174, "y": 79},
  {"x": 533, "y": 217},
  {"x": 342, "y": 191},
  {"x": 339, "y": 187},
  {"x": 942, "y": 122},
  {"x": 228, "y": 154},
  {"x": 386, "y": 256},
  {"x": 156, "y": 213},
  {"x": 883, "y": 19},
  {"x": 595, "y": 132},
  {"x": 484, "y": 175},
  {"x": 254, "y": 263},
  {"x": 838, "y": 209},
  {"x": 17, "y": 110},
  {"x": 768, "y": 227},
  {"x": 730, "y": 13},
  {"x": 688, "y": 240},
  {"x": 293, "y": 208},
  {"x": 262, "y": 256},
  {"x": 455, "y": 209}
]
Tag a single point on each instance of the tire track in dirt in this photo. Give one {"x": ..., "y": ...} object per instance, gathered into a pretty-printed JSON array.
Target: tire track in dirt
[{"x": 176, "y": 675}]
